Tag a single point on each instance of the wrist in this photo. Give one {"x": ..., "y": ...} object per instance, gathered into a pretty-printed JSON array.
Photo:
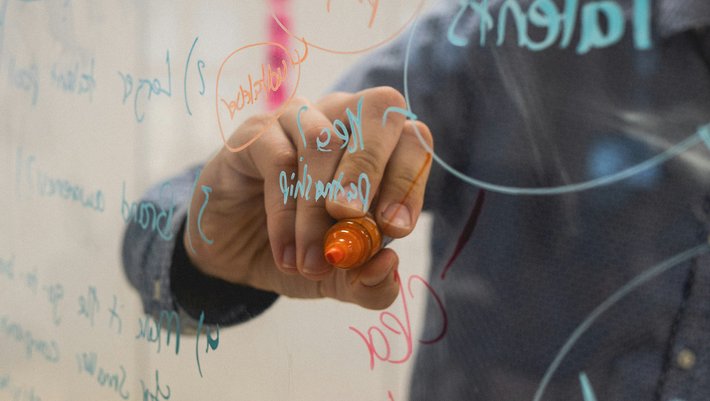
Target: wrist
[{"x": 196, "y": 291}]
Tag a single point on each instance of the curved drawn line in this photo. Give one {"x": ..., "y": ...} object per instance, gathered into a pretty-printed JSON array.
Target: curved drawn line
[
  {"x": 609, "y": 302},
  {"x": 692, "y": 140},
  {"x": 705, "y": 135},
  {"x": 406, "y": 113},
  {"x": 440, "y": 304},
  {"x": 184, "y": 83},
  {"x": 582, "y": 186},
  {"x": 277, "y": 114},
  {"x": 299, "y": 59},
  {"x": 587, "y": 389},
  {"x": 201, "y": 64},
  {"x": 206, "y": 190},
  {"x": 366, "y": 49},
  {"x": 189, "y": 206},
  {"x": 3, "y": 13},
  {"x": 298, "y": 124},
  {"x": 467, "y": 231},
  {"x": 450, "y": 34}
]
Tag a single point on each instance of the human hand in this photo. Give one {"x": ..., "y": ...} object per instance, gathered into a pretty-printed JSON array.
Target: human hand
[{"x": 252, "y": 232}]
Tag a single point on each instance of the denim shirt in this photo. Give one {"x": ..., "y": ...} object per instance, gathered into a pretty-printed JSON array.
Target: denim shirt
[{"x": 577, "y": 187}]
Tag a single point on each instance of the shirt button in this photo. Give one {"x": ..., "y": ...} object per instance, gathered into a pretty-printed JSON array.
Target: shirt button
[
  {"x": 156, "y": 290},
  {"x": 685, "y": 359}
]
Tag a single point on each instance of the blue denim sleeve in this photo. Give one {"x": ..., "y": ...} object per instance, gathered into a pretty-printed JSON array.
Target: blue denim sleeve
[{"x": 157, "y": 265}]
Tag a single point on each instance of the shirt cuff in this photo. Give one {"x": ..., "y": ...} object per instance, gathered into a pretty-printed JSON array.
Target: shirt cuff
[{"x": 222, "y": 302}]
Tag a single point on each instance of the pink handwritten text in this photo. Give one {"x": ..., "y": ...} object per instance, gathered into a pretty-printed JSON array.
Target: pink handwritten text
[{"x": 395, "y": 326}]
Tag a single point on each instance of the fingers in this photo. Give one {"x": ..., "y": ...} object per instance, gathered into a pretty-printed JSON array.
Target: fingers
[
  {"x": 375, "y": 285},
  {"x": 370, "y": 143},
  {"x": 394, "y": 161},
  {"x": 271, "y": 161},
  {"x": 402, "y": 191},
  {"x": 342, "y": 142},
  {"x": 319, "y": 153},
  {"x": 372, "y": 285}
]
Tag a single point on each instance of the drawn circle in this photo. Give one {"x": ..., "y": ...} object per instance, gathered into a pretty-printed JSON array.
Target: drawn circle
[
  {"x": 632, "y": 285},
  {"x": 701, "y": 135},
  {"x": 276, "y": 114},
  {"x": 316, "y": 45}
]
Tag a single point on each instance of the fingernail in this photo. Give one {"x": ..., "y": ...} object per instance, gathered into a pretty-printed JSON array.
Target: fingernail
[
  {"x": 289, "y": 257},
  {"x": 315, "y": 262},
  {"x": 372, "y": 281},
  {"x": 398, "y": 215},
  {"x": 354, "y": 204}
]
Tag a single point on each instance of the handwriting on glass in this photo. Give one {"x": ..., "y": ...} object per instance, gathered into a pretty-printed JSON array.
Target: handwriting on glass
[
  {"x": 32, "y": 180},
  {"x": 400, "y": 327},
  {"x": 7, "y": 267},
  {"x": 46, "y": 349},
  {"x": 20, "y": 392},
  {"x": 168, "y": 322},
  {"x": 150, "y": 216},
  {"x": 90, "y": 309},
  {"x": 559, "y": 24},
  {"x": 374, "y": 7},
  {"x": 272, "y": 78},
  {"x": 25, "y": 79},
  {"x": 113, "y": 380},
  {"x": 140, "y": 90},
  {"x": 77, "y": 78},
  {"x": 54, "y": 292},
  {"x": 360, "y": 190},
  {"x": 160, "y": 393},
  {"x": 153, "y": 86}
]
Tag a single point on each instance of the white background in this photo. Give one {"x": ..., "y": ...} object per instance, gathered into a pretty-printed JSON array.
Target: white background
[{"x": 297, "y": 350}]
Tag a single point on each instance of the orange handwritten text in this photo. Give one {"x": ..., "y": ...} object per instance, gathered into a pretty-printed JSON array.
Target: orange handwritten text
[
  {"x": 397, "y": 327},
  {"x": 270, "y": 81},
  {"x": 269, "y": 85},
  {"x": 374, "y": 5}
]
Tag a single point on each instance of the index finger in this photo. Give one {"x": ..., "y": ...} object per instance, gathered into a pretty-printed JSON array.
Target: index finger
[{"x": 369, "y": 144}]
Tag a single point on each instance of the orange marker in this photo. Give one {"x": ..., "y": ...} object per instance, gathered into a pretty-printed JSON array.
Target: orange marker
[{"x": 352, "y": 242}]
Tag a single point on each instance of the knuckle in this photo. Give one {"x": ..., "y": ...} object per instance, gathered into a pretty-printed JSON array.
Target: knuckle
[
  {"x": 293, "y": 106},
  {"x": 335, "y": 97},
  {"x": 284, "y": 158},
  {"x": 249, "y": 128},
  {"x": 369, "y": 161},
  {"x": 252, "y": 127},
  {"x": 382, "y": 300},
  {"x": 278, "y": 214},
  {"x": 403, "y": 182},
  {"x": 258, "y": 122},
  {"x": 313, "y": 132},
  {"x": 425, "y": 133},
  {"x": 299, "y": 101},
  {"x": 339, "y": 94},
  {"x": 312, "y": 208},
  {"x": 386, "y": 96}
]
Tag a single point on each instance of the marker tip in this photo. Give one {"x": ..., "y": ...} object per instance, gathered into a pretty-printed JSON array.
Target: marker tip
[{"x": 334, "y": 255}]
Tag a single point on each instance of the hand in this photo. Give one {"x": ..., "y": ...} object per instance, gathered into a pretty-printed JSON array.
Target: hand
[{"x": 261, "y": 242}]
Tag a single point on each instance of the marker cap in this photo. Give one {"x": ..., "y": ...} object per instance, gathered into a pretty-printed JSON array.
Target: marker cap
[{"x": 351, "y": 242}]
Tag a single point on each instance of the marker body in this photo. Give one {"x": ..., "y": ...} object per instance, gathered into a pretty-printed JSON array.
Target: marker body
[{"x": 351, "y": 242}]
